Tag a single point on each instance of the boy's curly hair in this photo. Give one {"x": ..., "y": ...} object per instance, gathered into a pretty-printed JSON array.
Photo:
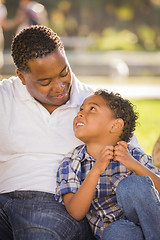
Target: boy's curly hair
[
  {"x": 33, "y": 42},
  {"x": 121, "y": 108}
]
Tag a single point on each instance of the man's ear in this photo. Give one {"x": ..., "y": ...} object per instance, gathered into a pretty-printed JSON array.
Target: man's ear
[
  {"x": 117, "y": 125},
  {"x": 21, "y": 76}
]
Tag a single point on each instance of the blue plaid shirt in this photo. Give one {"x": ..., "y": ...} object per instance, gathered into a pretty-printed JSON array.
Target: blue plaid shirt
[{"x": 104, "y": 208}]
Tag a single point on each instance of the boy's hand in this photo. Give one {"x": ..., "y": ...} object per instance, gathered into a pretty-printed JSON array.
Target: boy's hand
[
  {"x": 122, "y": 155},
  {"x": 103, "y": 159}
]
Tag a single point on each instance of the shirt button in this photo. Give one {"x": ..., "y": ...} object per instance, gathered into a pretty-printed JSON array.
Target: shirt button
[{"x": 97, "y": 187}]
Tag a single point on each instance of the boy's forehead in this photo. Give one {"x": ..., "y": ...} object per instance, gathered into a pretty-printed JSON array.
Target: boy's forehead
[{"x": 94, "y": 99}]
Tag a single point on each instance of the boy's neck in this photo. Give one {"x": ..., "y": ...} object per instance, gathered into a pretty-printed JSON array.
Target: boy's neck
[{"x": 93, "y": 149}]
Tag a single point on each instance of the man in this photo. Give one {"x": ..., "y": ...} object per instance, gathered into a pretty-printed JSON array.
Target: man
[{"x": 37, "y": 109}]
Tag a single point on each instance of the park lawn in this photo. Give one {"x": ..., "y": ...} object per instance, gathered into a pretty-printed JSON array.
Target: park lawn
[{"x": 148, "y": 127}]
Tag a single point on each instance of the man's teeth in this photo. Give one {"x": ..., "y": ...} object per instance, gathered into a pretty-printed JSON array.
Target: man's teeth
[{"x": 80, "y": 124}]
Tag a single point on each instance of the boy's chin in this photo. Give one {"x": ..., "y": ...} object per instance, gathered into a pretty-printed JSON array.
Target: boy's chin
[{"x": 80, "y": 138}]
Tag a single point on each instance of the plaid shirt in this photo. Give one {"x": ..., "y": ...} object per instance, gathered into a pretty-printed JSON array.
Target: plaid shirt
[{"x": 104, "y": 208}]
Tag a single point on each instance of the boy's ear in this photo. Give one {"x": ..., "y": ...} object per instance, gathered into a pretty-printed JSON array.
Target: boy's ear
[
  {"x": 117, "y": 125},
  {"x": 21, "y": 76}
]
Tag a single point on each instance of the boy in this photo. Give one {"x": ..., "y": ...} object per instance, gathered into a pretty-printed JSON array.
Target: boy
[{"x": 87, "y": 178}]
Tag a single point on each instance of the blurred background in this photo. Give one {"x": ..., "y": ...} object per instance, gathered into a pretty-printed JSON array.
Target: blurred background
[{"x": 109, "y": 44}]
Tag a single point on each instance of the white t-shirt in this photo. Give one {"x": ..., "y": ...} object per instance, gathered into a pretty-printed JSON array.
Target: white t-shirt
[{"x": 32, "y": 141}]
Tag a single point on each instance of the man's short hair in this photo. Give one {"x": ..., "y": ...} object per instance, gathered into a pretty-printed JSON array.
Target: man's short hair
[{"x": 33, "y": 42}]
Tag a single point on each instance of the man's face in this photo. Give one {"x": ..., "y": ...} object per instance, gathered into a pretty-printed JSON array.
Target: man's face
[{"x": 49, "y": 80}]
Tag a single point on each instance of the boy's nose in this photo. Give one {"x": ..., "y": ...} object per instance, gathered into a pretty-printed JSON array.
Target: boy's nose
[{"x": 80, "y": 114}]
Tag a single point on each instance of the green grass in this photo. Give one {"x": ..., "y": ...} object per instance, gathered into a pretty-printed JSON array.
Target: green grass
[{"x": 148, "y": 127}]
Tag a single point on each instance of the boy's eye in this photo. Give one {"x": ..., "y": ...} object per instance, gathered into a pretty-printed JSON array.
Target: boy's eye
[{"x": 93, "y": 108}]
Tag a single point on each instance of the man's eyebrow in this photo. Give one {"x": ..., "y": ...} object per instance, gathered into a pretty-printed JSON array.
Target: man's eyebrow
[{"x": 43, "y": 79}]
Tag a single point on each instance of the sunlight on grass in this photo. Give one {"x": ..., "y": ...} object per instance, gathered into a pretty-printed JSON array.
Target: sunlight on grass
[{"x": 148, "y": 130}]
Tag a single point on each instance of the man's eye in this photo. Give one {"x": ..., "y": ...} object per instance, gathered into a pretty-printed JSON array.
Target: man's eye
[
  {"x": 45, "y": 83},
  {"x": 93, "y": 108},
  {"x": 65, "y": 72}
]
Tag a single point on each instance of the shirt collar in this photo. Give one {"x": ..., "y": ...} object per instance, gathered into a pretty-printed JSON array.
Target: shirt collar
[
  {"x": 83, "y": 155},
  {"x": 79, "y": 91},
  {"x": 21, "y": 90}
]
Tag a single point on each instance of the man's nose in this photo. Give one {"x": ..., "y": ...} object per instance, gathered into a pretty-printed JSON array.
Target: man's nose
[{"x": 57, "y": 85}]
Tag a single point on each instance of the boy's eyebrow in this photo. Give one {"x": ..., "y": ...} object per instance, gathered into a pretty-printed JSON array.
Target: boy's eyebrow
[
  {"x": 43, "y": 79},
  {"x": 93, "y": 103}
]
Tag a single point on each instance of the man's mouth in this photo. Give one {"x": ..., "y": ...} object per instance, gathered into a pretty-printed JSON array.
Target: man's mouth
[{"x": 60, "y": 96}]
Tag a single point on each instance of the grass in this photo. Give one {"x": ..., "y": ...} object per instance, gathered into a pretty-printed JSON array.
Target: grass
[{"x": 148, "y": 128}]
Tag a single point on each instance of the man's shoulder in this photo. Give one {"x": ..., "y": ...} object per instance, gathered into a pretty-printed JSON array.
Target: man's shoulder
[
  {"x": 11, "y": 88},
  {"x": 9, "y": 81},
  {"x": 8, "y": 84}
]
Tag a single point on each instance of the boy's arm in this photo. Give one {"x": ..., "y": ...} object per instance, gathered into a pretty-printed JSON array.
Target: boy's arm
[
  {"x": 77, "y": 204},
  {"x": 122, "y": 155}
]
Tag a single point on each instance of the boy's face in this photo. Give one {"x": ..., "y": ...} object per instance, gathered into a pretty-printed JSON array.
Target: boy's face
[
  {"x": 49, "y": 80},
  {"x": 94, "y": 120}
]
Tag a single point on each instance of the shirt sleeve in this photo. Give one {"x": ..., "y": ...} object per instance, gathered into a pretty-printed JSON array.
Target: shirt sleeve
[
  {"x": 68, "y": 178},
  {"x": 144, "y": 159}
]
